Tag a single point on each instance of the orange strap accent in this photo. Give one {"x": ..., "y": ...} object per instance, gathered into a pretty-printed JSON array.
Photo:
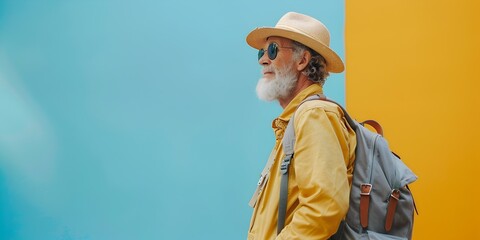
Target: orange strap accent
[
  {"x": 392, "y": 206},
  {"x": 375, "y": 125},
  {"x": 365, "y": 190}
]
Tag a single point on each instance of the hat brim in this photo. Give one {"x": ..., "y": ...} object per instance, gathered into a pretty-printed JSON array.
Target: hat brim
[{"x": 258, "y": 37}]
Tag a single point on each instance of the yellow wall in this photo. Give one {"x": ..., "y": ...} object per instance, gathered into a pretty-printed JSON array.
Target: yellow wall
[{"x": 414, "y": 66}]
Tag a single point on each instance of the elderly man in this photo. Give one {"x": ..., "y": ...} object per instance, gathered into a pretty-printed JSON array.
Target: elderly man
[{"x": 296, "y": 59}]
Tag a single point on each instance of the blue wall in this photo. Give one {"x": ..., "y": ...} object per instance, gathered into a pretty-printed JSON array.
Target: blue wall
[{"x": 135, "y": 119}]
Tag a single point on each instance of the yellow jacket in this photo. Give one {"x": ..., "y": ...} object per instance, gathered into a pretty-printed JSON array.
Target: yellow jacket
[{"x": 320, "y": 173}]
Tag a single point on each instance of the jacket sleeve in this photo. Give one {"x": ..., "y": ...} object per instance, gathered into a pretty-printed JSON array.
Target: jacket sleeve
[{"x": 321, "y": 176}]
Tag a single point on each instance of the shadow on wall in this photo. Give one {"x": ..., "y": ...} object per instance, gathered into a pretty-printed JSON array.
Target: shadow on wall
[{"x": 27, "y": 155}]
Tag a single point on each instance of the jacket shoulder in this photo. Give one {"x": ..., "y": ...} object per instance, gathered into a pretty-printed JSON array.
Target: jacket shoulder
[{"x": 319, "y": 105}]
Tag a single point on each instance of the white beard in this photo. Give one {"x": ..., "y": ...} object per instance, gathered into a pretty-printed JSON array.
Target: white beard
[{"x": 279, "y": 87}]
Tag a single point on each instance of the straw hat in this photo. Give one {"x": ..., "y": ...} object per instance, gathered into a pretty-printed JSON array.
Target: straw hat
[{"x": 303, "y": 29}]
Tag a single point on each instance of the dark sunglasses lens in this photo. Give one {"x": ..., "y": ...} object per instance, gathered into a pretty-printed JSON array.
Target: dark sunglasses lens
[
  {"x": 272, "y": 51},
  {"x": 260, "y": 53}
]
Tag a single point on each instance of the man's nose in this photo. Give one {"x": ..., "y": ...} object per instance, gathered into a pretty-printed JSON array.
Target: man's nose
[{"x": 264, "y": 60}]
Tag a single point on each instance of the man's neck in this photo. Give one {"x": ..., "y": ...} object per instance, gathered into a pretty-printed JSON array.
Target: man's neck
[{"x": 302, "y": 83}]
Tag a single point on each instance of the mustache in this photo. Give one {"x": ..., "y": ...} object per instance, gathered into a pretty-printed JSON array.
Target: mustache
[{"x": 269, "y": 68}]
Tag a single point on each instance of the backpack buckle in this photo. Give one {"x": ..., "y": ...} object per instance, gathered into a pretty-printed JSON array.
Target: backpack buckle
[
  {"x": 365, "y": 189},
  {"x": 286, "y": 163},
  {"x": 395, "y": 193}
]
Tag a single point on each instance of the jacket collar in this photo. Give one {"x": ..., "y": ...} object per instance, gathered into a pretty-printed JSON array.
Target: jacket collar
[{"x": 280, "y": 123}]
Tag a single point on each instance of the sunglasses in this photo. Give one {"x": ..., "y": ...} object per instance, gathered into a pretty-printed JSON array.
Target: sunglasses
[{"x": 272, "y": 51}]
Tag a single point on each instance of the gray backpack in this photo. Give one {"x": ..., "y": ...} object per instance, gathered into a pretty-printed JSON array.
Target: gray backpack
[{"x": 381, "y": 204}]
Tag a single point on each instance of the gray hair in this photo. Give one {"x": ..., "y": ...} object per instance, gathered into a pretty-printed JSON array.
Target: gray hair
[{"x": 316, "y": 69}]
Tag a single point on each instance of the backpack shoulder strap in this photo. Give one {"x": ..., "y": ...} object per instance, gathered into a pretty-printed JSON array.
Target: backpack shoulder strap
[{"x": 288, "y": 143}]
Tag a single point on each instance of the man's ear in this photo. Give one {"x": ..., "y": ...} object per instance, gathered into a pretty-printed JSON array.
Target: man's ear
[{"x": 304, "y": 60}]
